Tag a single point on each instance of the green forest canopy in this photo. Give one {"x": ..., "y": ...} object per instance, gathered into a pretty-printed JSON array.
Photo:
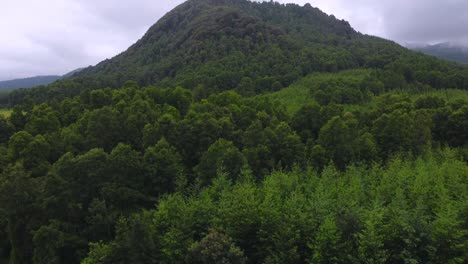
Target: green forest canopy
[
  {"x": 360, "y": 159},
  {"x": 83, "y": 169}
]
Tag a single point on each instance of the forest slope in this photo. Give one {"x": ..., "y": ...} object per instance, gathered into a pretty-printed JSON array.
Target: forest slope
[
  {"x": 211, "y": 46},
  {"x": 361, "y": 159}
]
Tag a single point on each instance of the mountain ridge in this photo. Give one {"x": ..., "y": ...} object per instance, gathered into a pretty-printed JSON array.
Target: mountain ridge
[
  {"x": 210, "y": 46},
  {"x": 219, "y": 15},
  {"x": 28, "y": 82},
  {"x": 34, "y": 81}
]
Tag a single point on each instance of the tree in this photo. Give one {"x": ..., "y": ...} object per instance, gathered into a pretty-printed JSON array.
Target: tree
[
  {"x": 125, "y": 191},
  {"x": 125, "y": 166},
  {"x": 52, "y": 245},
  {"x": 18, "y": 144},
  {"x": 373, "y": 85},
  {"x": 18, "y": 118},
  {"x": 151, "y": 134},
  {"x": 393, "y": 132},
  {"x": 371, "y": 239},
  {"x": 100, "y": 98},
  {"x": 308, "y": 121},
  {"x": 36, "y": 156},
  {"x": 215, "y": 247},
  {"x": 326, "y": 245},
  {"x": 82, "y": 177},
  {"x": 286, "y": 145},
  {"x": 246, "y": 87},
  {"x": 457, "y": 127},
  {"x": 429, "y": 102},
  {"x": 19, "y": 200},
  {"x": 337, "y": 138},
  {"x": 222, "y": 155},
  {"x": 43, "y": 119},
  {"x": 163, "y": 168},
  {"x": 6, "y": 130},
  {"x": 102, "y": 128}
]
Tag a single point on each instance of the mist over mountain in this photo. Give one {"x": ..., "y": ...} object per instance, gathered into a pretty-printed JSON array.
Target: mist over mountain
[
  {"x": 34, "y": 81},
  {"x": 456, "y": 52},
  {"x": 28, "y": 82}
]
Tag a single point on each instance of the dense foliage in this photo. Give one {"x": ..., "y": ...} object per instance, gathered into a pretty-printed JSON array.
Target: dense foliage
[
  {"x": 73, "y": 171},
  {"x": 409, "y": 212},
  {"x": 204, "y": 158}
]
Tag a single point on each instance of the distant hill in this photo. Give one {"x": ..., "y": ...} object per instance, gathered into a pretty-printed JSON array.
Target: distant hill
[
  {"x": 34, "y": 81},
  {"x": 28, "y": 82},
  {"x": 446, "y": 51}
]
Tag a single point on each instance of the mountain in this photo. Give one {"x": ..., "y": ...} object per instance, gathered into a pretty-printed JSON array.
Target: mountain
[
  {"x": 28, "y": 82},
  {"x": 34, "y": 81},
  {"x": 447, "y": 51},
  {"x": 211, "y": 46},
  {"x": 217, "y": 42}
]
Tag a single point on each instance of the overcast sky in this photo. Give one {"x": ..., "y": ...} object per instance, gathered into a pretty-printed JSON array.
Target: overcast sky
[{"x": 41, "y": 37}]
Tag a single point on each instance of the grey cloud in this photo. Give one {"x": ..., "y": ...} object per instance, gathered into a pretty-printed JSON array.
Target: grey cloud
[
  {"x": 422, "y": 21},
  {"x": 428, "y": 21},
  {"x": 406, "y": 21},
  {"x": 57, "y": 36}
]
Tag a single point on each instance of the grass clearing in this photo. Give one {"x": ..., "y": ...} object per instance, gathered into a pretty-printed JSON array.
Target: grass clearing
[
  {"x": 300, "y": 93},
  {"x": 5, "y": 112}
]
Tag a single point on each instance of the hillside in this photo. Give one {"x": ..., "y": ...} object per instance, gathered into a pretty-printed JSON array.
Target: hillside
[
  {"x": 28, "y": 82},
  {"x": 215, "y": 45},
  {"x": 250, "y": 133},
  {"x": 446, "y": 51}
]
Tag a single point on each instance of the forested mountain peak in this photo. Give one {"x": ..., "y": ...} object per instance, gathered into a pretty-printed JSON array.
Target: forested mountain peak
[
  {"x": 214, "y": 44},
  {"x": 208, "y": 31},
  {"x": 210, "y": 46}
]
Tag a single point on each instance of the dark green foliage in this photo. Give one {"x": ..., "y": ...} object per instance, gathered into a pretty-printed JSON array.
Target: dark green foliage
[
  {"x": 410, "y": 211},
  {"x": 337, "y": 139},
  {"x": 19, "y": 195},
  {"x": 6, "y": 130},
  {"x": 457, "y": 127},
  {"x": 215, "y": 247},
  {"x": 163, "y": 169},
  {"x": 308, "y": 121},
  {"x": 95, "y": 162},
  {"x": 222, "y": 156},
  {"x": 358, "y": 166}
]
